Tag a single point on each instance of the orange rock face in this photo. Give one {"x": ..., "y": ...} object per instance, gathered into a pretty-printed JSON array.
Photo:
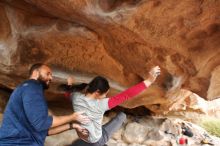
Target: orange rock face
[{"x": 120, "y": 40}]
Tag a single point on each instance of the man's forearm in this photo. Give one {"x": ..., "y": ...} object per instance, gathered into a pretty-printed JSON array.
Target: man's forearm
[{"x": 58, "y": 129}]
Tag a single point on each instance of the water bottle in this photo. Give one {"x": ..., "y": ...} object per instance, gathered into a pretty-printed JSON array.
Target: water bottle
[{"x": 183, "y": 141}]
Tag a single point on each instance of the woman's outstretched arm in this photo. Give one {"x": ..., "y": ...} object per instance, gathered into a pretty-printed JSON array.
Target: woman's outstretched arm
[{"x": 134, "y": 90}]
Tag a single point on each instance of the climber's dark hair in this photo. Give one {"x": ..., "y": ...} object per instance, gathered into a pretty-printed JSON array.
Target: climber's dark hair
[
  {"x": 99, "y": 84},
  {"x": 72, "y": 88}
]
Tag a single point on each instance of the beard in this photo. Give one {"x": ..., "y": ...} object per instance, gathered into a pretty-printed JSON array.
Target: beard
[{"x": 45, "y": 83}]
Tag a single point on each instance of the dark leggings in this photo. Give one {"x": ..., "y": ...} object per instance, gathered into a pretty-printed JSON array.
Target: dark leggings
[{"x": 107, "y": 130}]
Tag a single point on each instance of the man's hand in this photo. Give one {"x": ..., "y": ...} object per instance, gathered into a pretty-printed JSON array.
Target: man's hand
[
  {"x": 80, "y": 129},
  {"x": 70, "y": 80},
  {"x": 81, "y": 132},
  {"x": 79, "y": 117}
]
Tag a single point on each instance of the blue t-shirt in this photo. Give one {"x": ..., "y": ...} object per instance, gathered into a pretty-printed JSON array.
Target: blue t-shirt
[{"x": 25, "y": 120}]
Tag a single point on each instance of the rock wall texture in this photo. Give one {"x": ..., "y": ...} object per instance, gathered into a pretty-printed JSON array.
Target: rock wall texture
[{"x": 120, "y": 40}]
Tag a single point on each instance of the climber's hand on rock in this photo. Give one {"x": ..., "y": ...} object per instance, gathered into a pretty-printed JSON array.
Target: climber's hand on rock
[
  {"x": 153, "y": 74},
  {"x": 70, "y": 80}
]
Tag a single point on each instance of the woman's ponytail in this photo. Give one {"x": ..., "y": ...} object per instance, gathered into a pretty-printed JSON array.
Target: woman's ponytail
[{"x": 72, "y": 88}]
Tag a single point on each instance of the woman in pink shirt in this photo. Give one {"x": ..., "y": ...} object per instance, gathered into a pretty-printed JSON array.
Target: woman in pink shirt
[{"x": 91, "y": 99}]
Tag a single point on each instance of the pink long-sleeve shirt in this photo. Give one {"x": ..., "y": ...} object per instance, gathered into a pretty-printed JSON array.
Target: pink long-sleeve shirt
[{"x": 126, "y": 95}]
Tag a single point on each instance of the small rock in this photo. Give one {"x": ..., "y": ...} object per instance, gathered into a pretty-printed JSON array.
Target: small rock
[
  {"x": 154, "y": 135},
  {"x": 135, "y": 133},
  {"x": 135, "y": 144},
  {"x": 158, "y": 143},
  {"x": 111, "y": 142}
]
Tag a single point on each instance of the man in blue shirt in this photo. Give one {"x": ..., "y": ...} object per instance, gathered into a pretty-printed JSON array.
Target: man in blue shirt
[{"x": 26, "y": 121}]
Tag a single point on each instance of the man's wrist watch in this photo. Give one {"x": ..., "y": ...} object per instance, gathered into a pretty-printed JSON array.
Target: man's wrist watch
[{"x": 71, "y": 125}]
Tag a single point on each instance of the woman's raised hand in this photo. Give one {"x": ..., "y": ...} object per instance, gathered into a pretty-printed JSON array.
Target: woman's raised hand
[{"x": 153, "y": 74}]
